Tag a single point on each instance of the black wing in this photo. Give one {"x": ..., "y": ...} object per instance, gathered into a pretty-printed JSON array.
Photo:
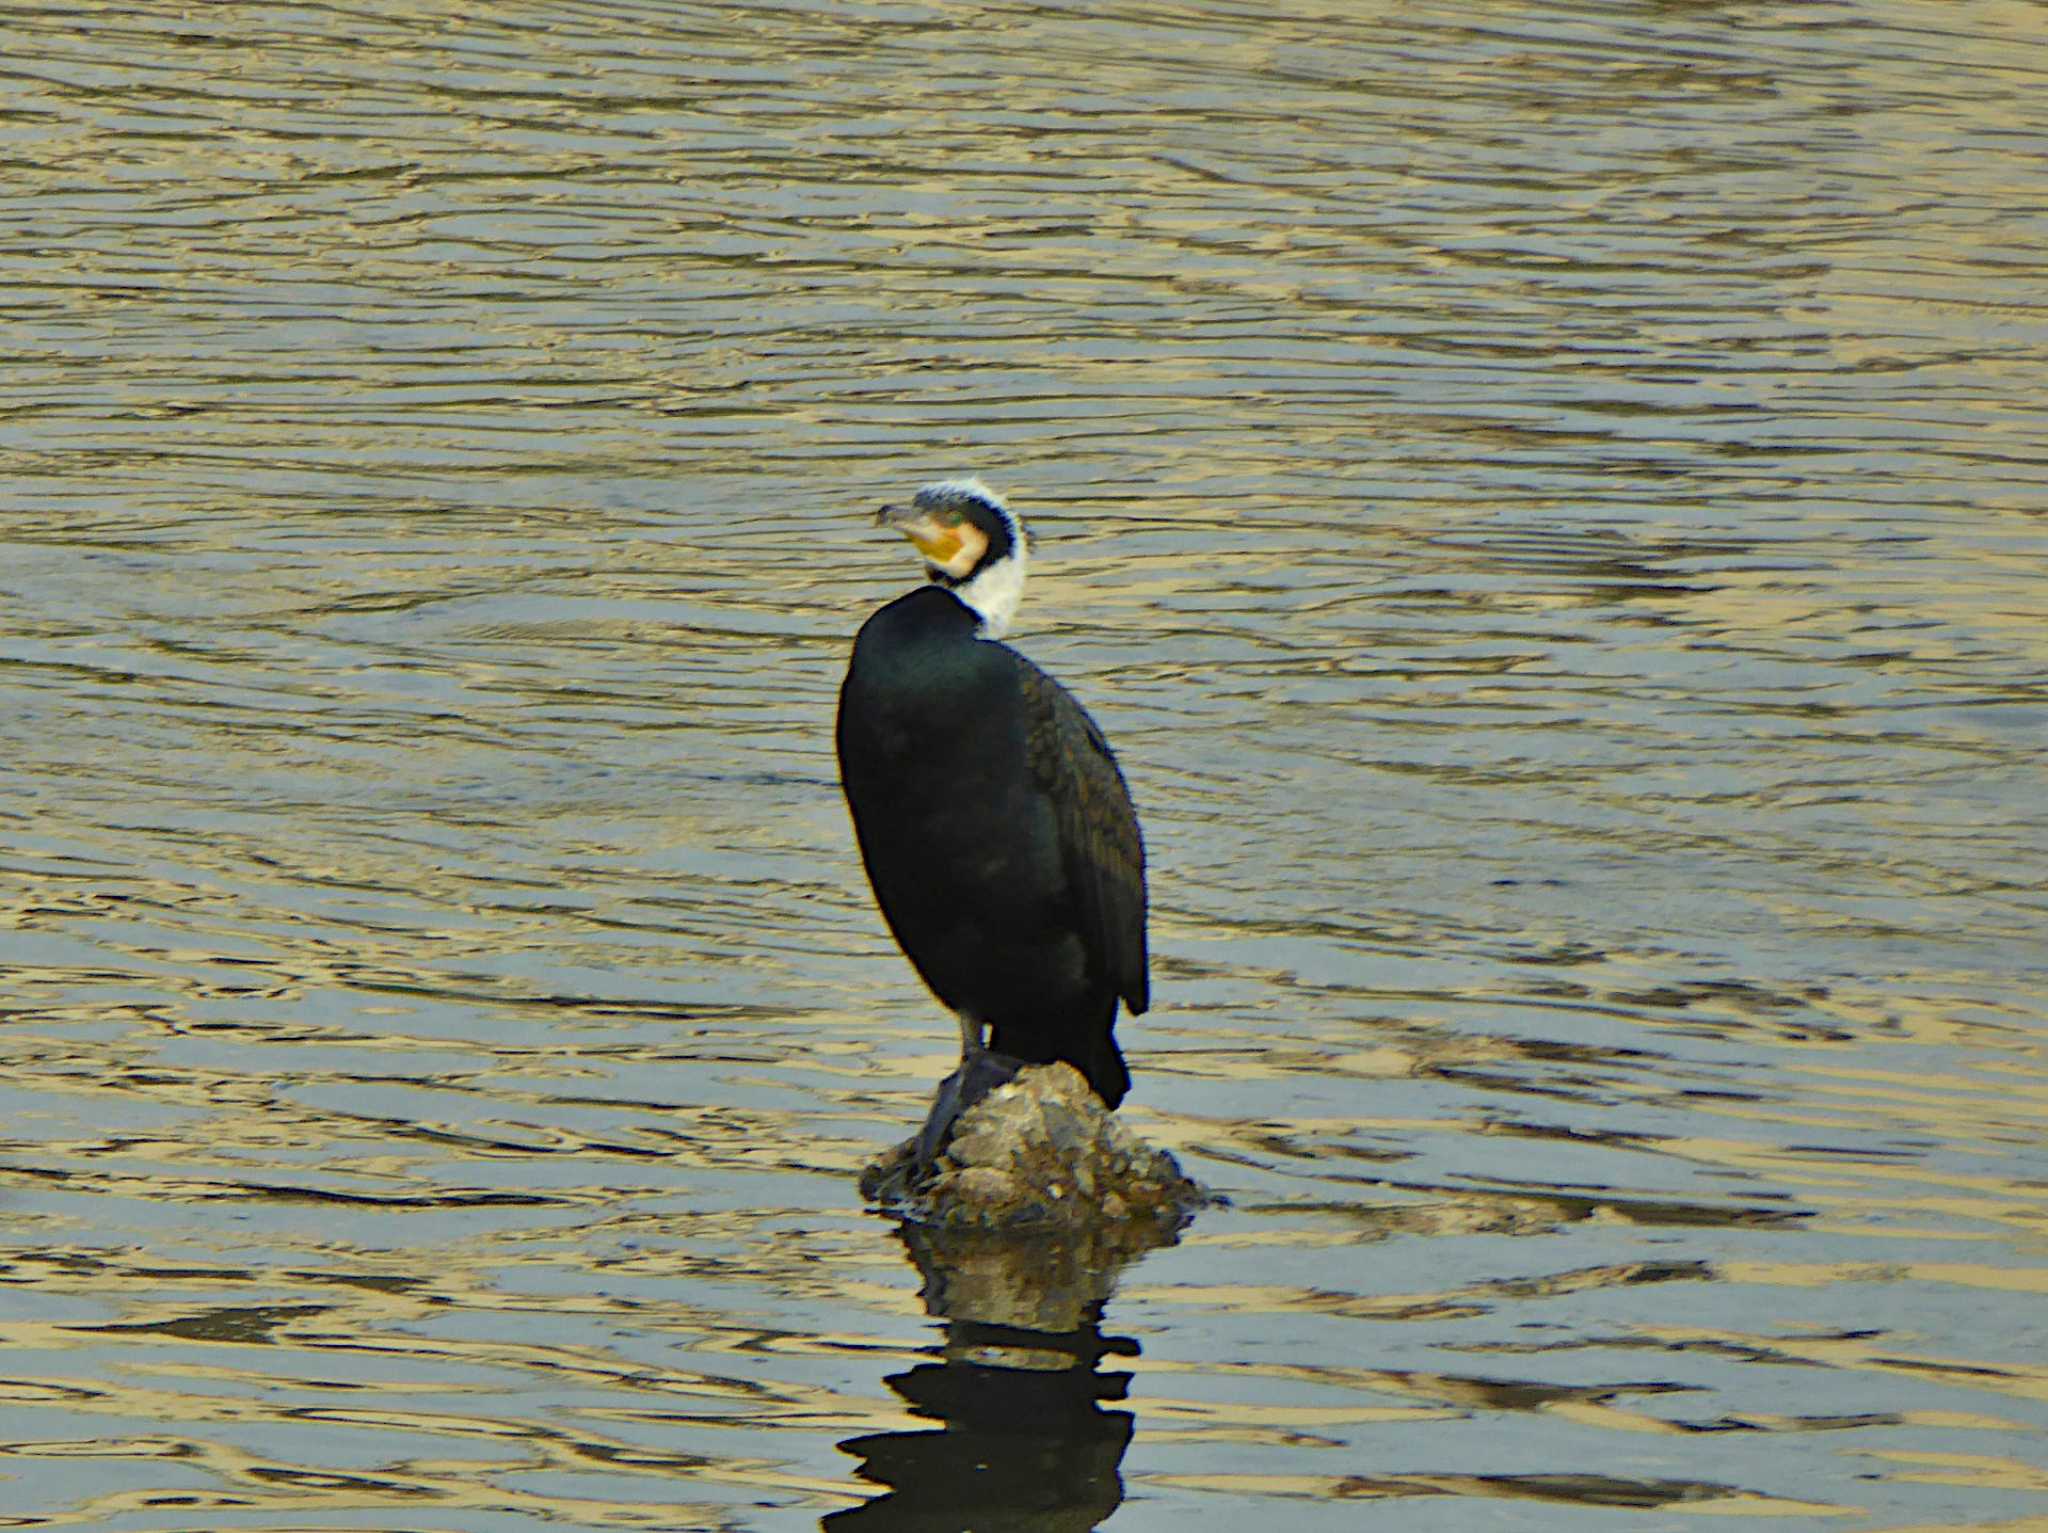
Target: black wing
[{"x": 1100, "y": 845}]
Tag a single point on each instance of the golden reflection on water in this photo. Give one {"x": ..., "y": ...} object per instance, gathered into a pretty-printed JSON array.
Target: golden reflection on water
[{"x": 1543, "y": 503}]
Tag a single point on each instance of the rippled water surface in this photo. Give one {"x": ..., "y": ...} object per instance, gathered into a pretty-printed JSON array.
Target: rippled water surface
[{"x": 1547, "y": 498}]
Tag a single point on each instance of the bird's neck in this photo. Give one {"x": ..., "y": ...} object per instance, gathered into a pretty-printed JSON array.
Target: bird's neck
[{"x": 993, "y": 592}]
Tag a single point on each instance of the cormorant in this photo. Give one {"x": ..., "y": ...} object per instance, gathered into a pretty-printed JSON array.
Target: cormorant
[{"x": 996, "y": 828}]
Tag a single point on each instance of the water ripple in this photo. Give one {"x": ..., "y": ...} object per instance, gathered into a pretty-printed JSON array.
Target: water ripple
[{"x": 1546, "y": 500}]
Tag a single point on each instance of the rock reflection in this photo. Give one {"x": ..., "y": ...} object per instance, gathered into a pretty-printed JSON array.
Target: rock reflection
[{"x": 1022, "y": 1437}]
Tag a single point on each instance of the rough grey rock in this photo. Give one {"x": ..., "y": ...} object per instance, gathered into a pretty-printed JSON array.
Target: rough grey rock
[{"x": 1042, "y": 1152}]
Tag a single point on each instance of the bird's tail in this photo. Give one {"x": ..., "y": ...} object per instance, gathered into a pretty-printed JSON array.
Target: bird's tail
[
  {"x": 1094, "y": 1053},
  {"x": 1107, "y": 1072}
]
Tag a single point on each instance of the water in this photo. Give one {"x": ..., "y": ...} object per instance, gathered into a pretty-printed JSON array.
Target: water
[{"x": 1547, "y": 500}]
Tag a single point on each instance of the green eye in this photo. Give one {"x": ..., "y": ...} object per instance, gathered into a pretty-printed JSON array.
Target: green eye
[{"x": 952, "y": 518}]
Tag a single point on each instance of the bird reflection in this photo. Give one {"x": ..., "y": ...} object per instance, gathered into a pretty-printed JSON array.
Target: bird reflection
[
  {"x": 1022, "y": 1436},
  {"x": 1022, "y": 1440}
]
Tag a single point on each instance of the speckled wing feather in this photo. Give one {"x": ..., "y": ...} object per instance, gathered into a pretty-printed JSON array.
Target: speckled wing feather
[{"x": 1100, "y": 843}]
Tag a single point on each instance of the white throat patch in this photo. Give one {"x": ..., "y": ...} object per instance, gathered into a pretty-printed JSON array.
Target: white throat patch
[{"x": 996, "y": 591}]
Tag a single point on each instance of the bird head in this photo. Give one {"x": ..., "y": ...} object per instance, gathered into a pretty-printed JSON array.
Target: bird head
[{"x": 972, "y": 543}]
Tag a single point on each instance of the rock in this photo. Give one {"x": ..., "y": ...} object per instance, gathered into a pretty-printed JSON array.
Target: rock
[{"x": 1041, "y": 1152}]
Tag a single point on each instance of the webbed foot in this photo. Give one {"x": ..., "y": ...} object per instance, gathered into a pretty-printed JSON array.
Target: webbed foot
[{"x": 980, "y": 1072}]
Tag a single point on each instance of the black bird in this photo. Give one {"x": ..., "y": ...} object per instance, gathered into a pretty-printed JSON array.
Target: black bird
[{"x": 996, "y": 828}]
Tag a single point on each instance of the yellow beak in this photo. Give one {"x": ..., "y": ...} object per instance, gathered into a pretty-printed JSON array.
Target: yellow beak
[{"x": 939, "y": 544}]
